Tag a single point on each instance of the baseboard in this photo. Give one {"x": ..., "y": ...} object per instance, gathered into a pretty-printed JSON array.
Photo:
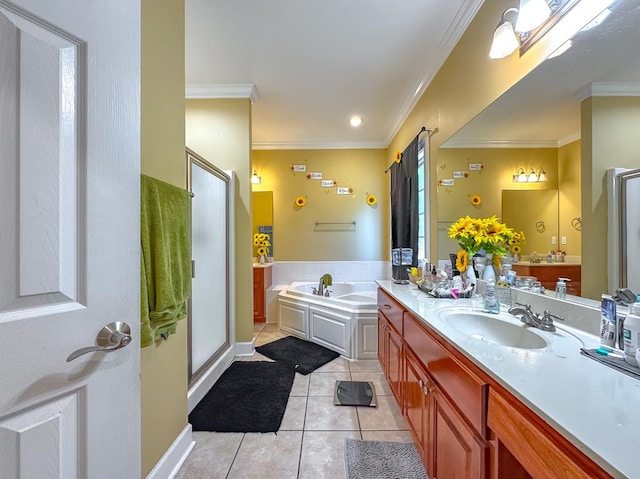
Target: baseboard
[
  {"x": 245, "y": 349},
  {"x": 206, "y": 381},
  {"x": 172, "y": 460}
]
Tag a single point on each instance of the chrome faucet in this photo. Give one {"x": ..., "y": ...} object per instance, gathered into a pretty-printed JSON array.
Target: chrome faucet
[
  {"x": 325, "y": 280},
  {"x": 527, "y": 316}
]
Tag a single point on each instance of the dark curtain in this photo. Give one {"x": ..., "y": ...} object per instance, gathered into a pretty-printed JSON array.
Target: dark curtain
[{"x": 404, "y": 201}]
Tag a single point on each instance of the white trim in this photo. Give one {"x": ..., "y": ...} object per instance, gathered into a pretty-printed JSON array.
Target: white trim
[
  {"x": 315, "y": 145},
  {"x": 565, "y": 140},
  {"x": 500, "y": 144},
  {"x": 246, "y": 349},
  {"x": 208, "y": 379},
  {"x": 608, "y": 89},
  {"x": 248, "y": 90},
  {"x": 173, "y": 458},
  {"x": 463, "y": 18}
]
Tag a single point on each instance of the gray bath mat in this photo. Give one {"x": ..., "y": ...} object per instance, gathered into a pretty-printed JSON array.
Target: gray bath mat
[{"x": 382, "y": 460}]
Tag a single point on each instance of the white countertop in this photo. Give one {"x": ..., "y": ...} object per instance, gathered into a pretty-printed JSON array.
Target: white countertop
[
  {"x": 262, "y": 265},
  {"x": 592, "y": 405}
]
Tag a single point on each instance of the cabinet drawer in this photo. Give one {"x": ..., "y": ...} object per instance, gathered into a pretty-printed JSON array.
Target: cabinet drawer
[
  {"x": 391, "y": 310},
  {"x": 463, "y": 387}
]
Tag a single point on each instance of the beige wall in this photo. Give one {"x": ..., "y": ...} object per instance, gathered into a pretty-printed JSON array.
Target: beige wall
[
  {"x": 467, "y": 83},
  {"x": 500, "y": 164},
  {"x": 220, "y": 132},
  {"x": 569, "y": 174},
  {"x": 609, "y": 139},
  {"x": 163, "y": 365},
  {"x": 295, "y": 236}
]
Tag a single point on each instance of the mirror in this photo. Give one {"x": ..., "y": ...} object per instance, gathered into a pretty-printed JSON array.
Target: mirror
[
  {"x": 262, "y": 216},
  {"x": 535, "y": 212},
  {"x": 543, "y": 109}
]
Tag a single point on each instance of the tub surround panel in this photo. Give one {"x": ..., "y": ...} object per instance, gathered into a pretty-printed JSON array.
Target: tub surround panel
[{"x": 286, "y": 272}]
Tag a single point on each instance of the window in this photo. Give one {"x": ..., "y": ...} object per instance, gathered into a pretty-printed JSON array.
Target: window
[{"x": 423, "y": 203}]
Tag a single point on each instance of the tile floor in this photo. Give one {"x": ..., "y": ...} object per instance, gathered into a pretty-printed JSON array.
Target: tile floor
[{"x": 310, "y": 442}]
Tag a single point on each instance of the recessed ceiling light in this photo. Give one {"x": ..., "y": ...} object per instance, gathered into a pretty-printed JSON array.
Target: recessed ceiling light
[{"x": 356, "y": 121}]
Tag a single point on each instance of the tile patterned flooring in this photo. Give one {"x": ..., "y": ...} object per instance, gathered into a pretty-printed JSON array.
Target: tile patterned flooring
[{"x": 310, "y": 442}]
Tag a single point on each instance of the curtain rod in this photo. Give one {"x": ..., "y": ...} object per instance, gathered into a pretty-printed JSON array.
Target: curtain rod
[{"x": 422, "y": 130}]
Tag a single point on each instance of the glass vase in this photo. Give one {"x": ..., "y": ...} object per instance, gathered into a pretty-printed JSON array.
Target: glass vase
[
  {"x": 263, "y": 259},
  {"x": 489, "y": 273}
]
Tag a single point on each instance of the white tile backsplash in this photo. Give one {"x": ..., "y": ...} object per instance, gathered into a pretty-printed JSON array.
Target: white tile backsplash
[{"x": 286, "y": 272}]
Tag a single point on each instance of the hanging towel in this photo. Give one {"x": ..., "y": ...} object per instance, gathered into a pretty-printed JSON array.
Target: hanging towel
[{"x": 165, "y": 261}]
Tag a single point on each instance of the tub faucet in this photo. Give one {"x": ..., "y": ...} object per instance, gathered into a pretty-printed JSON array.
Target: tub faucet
[
  {"x": 527, "y": 316},
  {"x": 325, "y": 280}
]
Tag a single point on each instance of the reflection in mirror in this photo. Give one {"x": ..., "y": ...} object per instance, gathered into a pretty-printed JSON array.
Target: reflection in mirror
[
  {"x": 534, "y": 212},
  {"x": 262, "y": 216}
]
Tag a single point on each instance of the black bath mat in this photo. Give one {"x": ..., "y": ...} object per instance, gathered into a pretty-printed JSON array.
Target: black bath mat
[
  {"x": 250, "y": 396},
  {"x": 303, "y": 356}
]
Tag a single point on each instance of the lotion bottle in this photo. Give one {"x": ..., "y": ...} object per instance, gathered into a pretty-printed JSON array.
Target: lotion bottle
[
  {"x": 491, "y": 303},
  {"x": 632, "y": 334},
  {"x": 561, "y": 288}
]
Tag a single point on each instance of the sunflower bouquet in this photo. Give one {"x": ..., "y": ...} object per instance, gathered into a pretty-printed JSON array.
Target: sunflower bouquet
[
  {"x": 514, "y": 244},
  {"x": 261, "y": 242},
  {"x": 475, "y": 234}
]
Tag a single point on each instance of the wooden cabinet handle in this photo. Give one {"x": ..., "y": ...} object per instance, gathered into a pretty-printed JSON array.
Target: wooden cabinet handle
[{"x": 387, "y": 306}]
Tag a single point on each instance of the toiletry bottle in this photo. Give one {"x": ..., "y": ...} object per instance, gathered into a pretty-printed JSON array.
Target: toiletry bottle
[
  {"x": 491, "y": 303},
  {"x": 561, "y": 288},
  {"x": 632, "y": 334}
]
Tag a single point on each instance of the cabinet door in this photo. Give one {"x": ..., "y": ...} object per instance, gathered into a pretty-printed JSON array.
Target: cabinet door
[
  {"x": 382, "y": 334},
  {"x": 459, "y": 452},
  {"x": 394, "y": 362},
  {"x": 417, "y": 388}
]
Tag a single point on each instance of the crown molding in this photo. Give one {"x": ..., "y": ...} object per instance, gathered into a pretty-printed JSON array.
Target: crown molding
[
  {"x": 608, "y": 89},
  {"x": 500, "y": 144},
  {"x": 315, "y": 145},
  {"x": 565, "y": 140},
  {"x": 463, "y": 18},
  {"x": 248, "y": 90}
]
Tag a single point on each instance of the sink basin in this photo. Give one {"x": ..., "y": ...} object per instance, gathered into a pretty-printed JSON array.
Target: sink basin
[{"x": 493, "y": 329}]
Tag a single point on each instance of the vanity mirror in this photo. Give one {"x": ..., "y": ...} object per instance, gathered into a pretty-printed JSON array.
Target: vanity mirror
[
  {"x": 262, "y": 216},
  {"x": 535, "y": 212},
  {"x": 543, "y": 112}
]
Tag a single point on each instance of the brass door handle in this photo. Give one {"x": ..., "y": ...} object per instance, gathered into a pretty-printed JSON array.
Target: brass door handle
[{"x": 113, "y": 336}]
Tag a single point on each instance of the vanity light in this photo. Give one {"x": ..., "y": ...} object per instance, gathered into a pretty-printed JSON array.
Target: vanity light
[
  {"x": 255, "y": 179},
  {"x": 520, "y": 176},
  {"x": 542, "y": 175},
  {"x": 532, "y": 178},
  {"x": 505, "y": 41},
  {"x": 532, "y": 14}
]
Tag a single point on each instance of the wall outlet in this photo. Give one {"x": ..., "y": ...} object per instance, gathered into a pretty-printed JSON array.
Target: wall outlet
[
  {"x": 563, "y": 240},
  {"x": 554, "y": 240}
]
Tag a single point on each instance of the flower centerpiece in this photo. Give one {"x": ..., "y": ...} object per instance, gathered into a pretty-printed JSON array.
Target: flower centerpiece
[
  {"x": 475, "y": 234},
  {"x": 514, "y": 245},
  {"x": 261, "y": 242}
]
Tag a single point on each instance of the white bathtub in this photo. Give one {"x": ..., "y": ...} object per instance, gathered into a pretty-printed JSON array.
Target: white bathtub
[{"x": 345, "y": 321}]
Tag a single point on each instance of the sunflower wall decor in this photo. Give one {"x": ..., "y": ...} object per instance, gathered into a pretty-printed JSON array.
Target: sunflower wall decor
[
  {"x": 475, "y": 200},
  {"x": 371, "y": 200},
  {"x": 300, "y": 202}
]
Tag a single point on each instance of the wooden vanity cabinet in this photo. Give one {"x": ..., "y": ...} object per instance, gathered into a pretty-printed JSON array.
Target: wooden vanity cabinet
[
  {"x": 262, "y": 278},
  {"x": 390, "y": 343},
  {"x": 548, "y": 275}
]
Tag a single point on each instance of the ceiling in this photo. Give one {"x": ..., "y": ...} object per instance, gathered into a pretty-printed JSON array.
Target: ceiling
[
  {"x": 309, "y": 66},
  {"x": 543, "y": 109}
]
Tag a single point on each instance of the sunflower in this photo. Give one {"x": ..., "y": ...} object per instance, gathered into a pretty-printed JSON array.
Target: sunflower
[
  {"x": 516, "y": 249},
  {"x": 371, "y": 200},
  {"x": 398, "y": 156},
  {"x": 462, "y": 261},
  {"x": 300, "y": 201},
  {"x": 476, "y": 200},
  {"x": 262, "y": 251}
]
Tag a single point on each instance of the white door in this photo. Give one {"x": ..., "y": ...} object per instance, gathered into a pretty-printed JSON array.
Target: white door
[{"x": 69, "y": 237}]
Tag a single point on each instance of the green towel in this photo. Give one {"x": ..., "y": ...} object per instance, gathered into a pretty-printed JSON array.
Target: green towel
[{"x": 165, "y": 261}]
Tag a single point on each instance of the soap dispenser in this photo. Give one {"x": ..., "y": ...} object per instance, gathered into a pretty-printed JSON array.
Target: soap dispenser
[{"x": 561, "y": 288}]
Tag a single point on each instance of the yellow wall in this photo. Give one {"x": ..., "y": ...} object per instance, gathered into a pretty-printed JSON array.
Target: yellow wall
[
  {"x": 296, "y": 238},
  {"x": 569, "y": 174},
  {"x": 609, "y": 139},
  {"x": 500, "y": 164},
  {"x": 220, "y": 132},
  {"x": 467, "y": 83},
  {"x": 163, "y": 365}
]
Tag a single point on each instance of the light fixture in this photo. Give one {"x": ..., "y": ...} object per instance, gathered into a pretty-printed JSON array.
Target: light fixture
[
  {"x": 531, "y": 177},
  {"x": 255, "y": 179},
  {"x": 355, "y": 121},
  {"x": 505, "y": 41},
  {"x": 532, "y": 14}
]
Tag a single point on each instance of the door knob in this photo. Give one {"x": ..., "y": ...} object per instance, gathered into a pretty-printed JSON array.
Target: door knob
[{"x": 113, "y": 336}]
